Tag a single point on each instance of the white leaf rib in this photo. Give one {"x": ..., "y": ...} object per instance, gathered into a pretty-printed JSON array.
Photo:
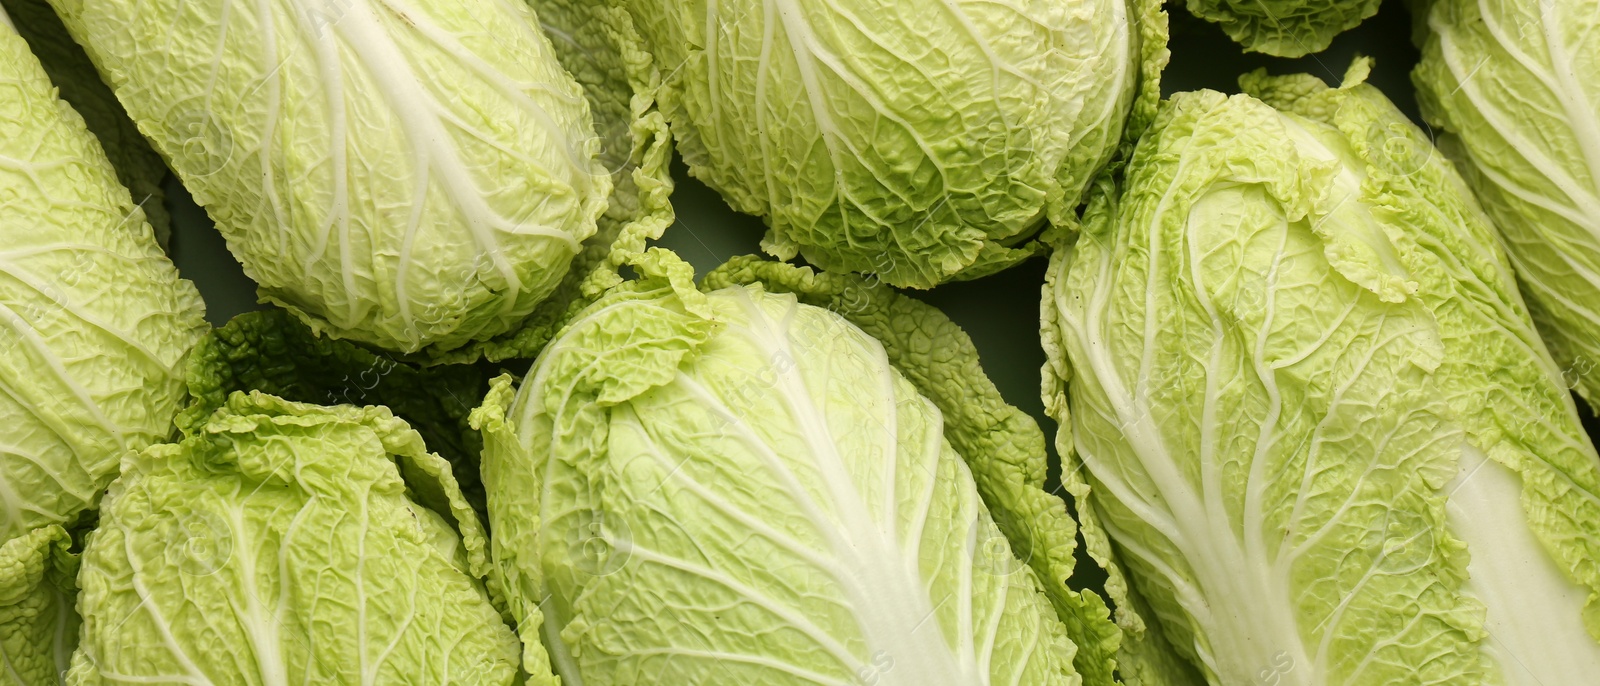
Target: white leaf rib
[
  {"x": 52, "y": 362},
  {"x": 804, "y": 625},
  {"x": 1583, "y": 198},
  {"x": 1574, "y": 96},
  {"x": 73, "y": 307},
  {"x": 991, "y": 630},
  {"x": 158, "y": 621},
  {"x": 720, "y": 504},
  {"x": 770, "y": 458},
  {"x": 932, "y": 443},
  {"x": 806, "y": 675},
  {"x": 511, "y": 90},
  {"x": 1254, "y": 519}
]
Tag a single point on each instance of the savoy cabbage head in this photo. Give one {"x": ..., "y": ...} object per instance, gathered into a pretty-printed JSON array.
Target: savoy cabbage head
[
  {"x": 760, "y": 469},
  {"x": 95, "y": 323},
  {"x": 1515, "y": 87},
  {"x": 283, "y": 543},
  {"x": 919, "y": 142},
  {"x": 403, "y": 174},
  {"x": 1312, "y": 430}
]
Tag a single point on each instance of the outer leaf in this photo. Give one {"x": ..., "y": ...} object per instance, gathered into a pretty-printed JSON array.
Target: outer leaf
[
  {"x": 754, "y": 467},
  {"x": 598, "y": 44},
  {"x": 38, "y": 628},
  {"x": 405, "y": 173},
  {"x": 94, "y": 321},
  {"x": 137, "y": 164},
  {"x": 1531, "y": 476},
  {"x": 922, "y": 143},
  {"x": 1284, "y": 28},
  {"x": 272, "y": 352},
  {"x": 1254, "y": 415},
  {"x": 1003, "y": 447},
  {"x": 280, "y": 544},
  {"x": 1514, "y": 84},
  {"x": 1144, "y": 656}
]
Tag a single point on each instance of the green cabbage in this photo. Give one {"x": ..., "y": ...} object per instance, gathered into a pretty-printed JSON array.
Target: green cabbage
[
  {"x": 95, "y": 324},
  {"x": 38, "y": 627},
  {"x": 402, "y": 174},
  {"x": 289, "y": 543},
  {"x": 272, "y": 352},
  {"x": 761, "y": 470},
  {"x": 1515, "y": 86},
  {"x": 1314, "y": 435},
  {"x": 138, "y": 165},
  {"x": 1284, "y": 28},
  {"x": 922, "y": 143}
]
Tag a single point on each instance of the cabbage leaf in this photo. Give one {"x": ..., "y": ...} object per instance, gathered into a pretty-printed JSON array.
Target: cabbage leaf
[
  {"x": 1515, "y": 87},
  {"x": 40, "y": 628},
  {"x": 138, "y": 165},
  {"x": 95, "y": 323},
  {"x": 1284, "y": 28},
  {"x": 1313, "y": 433},
  {"x": 922, "y": 143},
  {"x": 404, "y": 174},
  {"x": 289, "y": 543},
  {"x": 756, "y": 467}
]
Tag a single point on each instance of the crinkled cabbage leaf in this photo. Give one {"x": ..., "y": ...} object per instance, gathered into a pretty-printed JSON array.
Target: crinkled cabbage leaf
[
  {"x": 756, "y": 468},
  {"x": 1284, "y": 28},
  {"x": 404, "y": 174},
  {"x": 1515, "y": 86},
  {"x": 1312, "y": 431},
  {"x": 38, "y": 627},
  {"x": 289, "y": 543},
  {"x": 273, "y": 352},
  {"x": 138, "y": 165},
  {"x": 95, "y": 324},
  {"x": 919, "y": 142}
]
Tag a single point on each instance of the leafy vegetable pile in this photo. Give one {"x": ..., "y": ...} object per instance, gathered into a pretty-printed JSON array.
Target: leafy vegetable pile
[{"x": 487, "y": 430}]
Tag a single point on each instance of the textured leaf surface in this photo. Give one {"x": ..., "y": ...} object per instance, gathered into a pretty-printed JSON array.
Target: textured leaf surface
[
  {"x": 278, "y": 544},
  {"x": 94, "y": 321},
  {"x": 1258, "y": 446},
  {"x": 1003, "y": 447},
  {"x": 598, "y": 44},
  {"x": 1515, "y": 84},
  {"x": 1284, "y": 28},
  {"x": 1540, "y": 483},
  {"x": 272, "y": 352},
  {"x": 755, "y": 467},
  {"x": 138, "y": 165},
  {"x": 921, "y": 142},
  {"x": 403, "y": 173},
  {"x": 38, "y": 627}
]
